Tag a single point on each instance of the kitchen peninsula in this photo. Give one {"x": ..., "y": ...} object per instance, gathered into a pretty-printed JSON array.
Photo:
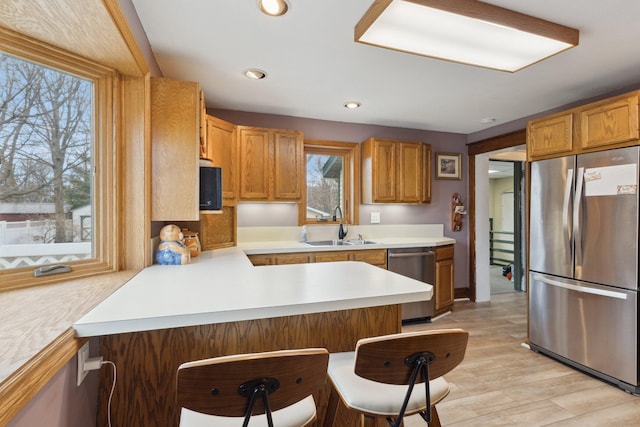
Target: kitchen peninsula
[{"x": 221, "y": 304}]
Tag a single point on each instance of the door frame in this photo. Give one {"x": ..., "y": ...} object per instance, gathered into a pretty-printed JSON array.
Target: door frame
[{"x": 508, "y": 140}]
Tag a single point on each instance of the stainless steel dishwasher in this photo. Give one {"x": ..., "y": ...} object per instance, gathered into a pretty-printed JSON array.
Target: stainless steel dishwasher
[{"x": 419, "y": 264}]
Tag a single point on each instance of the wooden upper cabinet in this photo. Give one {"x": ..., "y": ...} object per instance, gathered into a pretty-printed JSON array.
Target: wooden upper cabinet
[
  {"x": 550, "y": 136},
  {"x": 409, "y": 172},
  {"x": 608, "y": 122},
  {"x": 271, "y": 164},
  {"x": 426, "y": 173},
  {"x": 222, "y": 149},
  {"x": 395, "y": 172},
  {"x": 255, "y": 164},
  {"x": 288, "y": 165},
  {"x": 382, "y": 169},
  {"x": 175, "y": 150}
]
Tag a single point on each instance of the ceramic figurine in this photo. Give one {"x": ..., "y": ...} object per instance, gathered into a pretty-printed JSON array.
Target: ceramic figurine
[{"x": 172, "y": 250}]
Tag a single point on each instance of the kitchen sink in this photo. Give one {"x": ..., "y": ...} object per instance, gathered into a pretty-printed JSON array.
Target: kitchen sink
[
  {"x": 339, "y": 242},
  {"x": 326, "y": 243},
  {"x": 359, "y": 242}
]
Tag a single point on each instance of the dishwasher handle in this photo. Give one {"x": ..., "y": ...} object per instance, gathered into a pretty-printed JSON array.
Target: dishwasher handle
[{"x": 410, "y": 254}]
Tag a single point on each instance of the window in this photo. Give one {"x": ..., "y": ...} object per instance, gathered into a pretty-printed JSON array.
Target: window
[
  {"x": 55, "y": 161},
  {"x": 330, "y": 182}
]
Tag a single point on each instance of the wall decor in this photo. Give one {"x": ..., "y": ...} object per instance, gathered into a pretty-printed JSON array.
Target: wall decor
[{"x": 448, "y": 166}]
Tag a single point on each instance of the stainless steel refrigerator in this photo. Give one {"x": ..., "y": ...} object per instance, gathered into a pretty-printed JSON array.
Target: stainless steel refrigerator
[{"x": 583, "y": 268}]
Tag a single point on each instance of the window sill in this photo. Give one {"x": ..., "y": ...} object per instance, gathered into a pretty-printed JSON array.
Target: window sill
[{"x": 36, "y": 335}]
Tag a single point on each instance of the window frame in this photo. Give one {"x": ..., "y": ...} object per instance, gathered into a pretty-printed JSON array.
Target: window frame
[
  {"x": 105, "y": 84},
  {"x": 351, "y": 153}
]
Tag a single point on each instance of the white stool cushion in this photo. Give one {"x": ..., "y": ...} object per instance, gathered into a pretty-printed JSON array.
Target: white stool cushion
[
  {"x": 378, "y": 398},
  {"x": 297, "y": 415}
]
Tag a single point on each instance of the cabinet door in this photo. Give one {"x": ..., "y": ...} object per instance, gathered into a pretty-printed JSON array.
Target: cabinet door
[
  {"x": 426, "y": 173},
  {"x": 377, "y": 257},
  {"x": 409, "y": 173},
  {"x": 294, "y": 258},
  {"x": 218, "y": 230},
  {"x": 444, "y": 292},
  {"x": 255, "y": 155},
  {"x": 384, "y": 171},
  {"x": 331, "y": 256},
  {"x": 260, "y": 259},
  {"x": 288, "y": 167},
  {"x": 222, "y": 150},
  {"x": 444, "y": 284},
  {"x": 609, "y": 122},
  {"x": 175, "y": 150},
  {"x": 550, "y": 136}
]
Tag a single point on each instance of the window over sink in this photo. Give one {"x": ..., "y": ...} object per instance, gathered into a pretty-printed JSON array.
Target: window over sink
[{"x": 331, "y": 182}]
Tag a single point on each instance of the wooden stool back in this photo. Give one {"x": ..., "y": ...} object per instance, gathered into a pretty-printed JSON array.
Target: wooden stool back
[
  {"x": 383, "y": 359},
  {"x": 214, "y": 386}
]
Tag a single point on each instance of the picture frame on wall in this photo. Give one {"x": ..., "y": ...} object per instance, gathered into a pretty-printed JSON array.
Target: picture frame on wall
[{"x": 448, "y": 166}]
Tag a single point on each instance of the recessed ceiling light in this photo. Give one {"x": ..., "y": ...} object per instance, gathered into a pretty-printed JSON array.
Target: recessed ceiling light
[
  {"x": 273, "y": 7},
  {"x": 487, "y": 120},
  {"x": 352, "y": 105},
  {"x": 254, "y": 73}
]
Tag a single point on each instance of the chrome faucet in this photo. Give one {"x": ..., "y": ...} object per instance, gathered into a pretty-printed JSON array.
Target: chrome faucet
[{"x": 342, "y": 232}]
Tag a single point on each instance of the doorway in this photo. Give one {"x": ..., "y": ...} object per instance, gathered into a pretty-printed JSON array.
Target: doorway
[
  {"x": 505, "y": 221},
  {"x": 509, "y": 147}
]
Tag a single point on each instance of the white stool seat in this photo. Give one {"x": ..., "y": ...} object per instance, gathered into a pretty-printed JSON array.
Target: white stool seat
[
  {"x": 376, "y": 398},
  {"x": 296, "y": 415}
]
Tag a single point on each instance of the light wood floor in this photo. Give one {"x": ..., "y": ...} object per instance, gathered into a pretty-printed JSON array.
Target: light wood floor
[{"x": 502, "y": 383}]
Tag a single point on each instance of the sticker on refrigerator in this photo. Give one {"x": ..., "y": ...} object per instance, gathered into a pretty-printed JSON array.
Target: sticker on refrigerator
[
  {"x": 611, "y": 180},
  {"x": 627, "y": 189}
]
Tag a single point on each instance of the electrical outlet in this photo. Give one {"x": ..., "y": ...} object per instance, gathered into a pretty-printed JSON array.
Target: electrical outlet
[
  {"x": 375, "y": 217},
  {"x": 83, "y": 356}
]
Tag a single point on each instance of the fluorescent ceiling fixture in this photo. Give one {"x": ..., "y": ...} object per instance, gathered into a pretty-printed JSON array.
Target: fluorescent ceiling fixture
[
  {"x": 465, "y": 31},
  {"x": 273, "y": 7}
]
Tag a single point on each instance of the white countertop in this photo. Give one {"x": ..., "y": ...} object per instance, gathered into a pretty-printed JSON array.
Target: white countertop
[{"x": 223, "y": 286}]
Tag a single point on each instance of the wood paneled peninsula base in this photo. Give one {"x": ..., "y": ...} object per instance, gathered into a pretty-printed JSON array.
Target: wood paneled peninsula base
[
  {"x": 220, "y": 304},
  {"x": 147, "y": 361}
]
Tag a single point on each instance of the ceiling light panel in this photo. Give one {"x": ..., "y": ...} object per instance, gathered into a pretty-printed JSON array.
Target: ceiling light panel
[{"x": 465, "y": 31}]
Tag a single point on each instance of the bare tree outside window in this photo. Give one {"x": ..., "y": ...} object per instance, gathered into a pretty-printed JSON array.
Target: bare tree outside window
[
  {"x": 46, "y": 163},
  {"x": 324, "y": 181}
]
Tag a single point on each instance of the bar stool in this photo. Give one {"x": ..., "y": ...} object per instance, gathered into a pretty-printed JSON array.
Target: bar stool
[
  {"x": 378, "y": 379},
  {"x": 258, "y": 389}
]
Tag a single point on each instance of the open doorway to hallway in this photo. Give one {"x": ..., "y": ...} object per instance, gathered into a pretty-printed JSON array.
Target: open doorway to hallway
[
  {"x": 499, "y": 221},
  {"x": 505, "y": 194}
]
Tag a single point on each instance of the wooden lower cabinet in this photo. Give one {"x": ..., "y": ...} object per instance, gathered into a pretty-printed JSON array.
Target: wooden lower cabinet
[
  {"x": 377, "y": 257},
  {"x": 331, "y": 256},
  {"x": 444, "y": 292}
]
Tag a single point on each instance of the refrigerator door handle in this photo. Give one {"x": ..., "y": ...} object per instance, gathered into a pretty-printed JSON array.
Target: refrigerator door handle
[
  {"x": 566, "y": 210},
  {"x": 577, "y": 225},
  {"x": 584, "y": 289}
]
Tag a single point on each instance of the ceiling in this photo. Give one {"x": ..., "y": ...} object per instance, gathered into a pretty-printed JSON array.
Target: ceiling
[{"x": 313, "y": 65}]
